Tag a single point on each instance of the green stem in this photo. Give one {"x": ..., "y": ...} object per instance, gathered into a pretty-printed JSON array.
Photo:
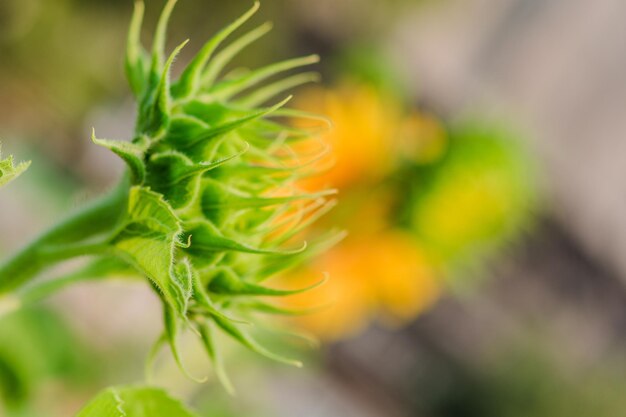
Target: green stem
[{"x": 68, "y": 239}]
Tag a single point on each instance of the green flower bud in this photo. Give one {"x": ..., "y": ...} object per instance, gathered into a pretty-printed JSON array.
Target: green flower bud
[{"x": 213, "y": 179}]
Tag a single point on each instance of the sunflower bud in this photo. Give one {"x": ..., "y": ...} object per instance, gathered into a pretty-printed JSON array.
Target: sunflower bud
[{"x": 213, "y": 182}]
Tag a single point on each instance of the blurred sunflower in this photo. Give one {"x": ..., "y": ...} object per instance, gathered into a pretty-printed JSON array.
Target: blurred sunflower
[
  {"x": 366, "y": 124},
  {"x": 420, "y": 201},
  {"x": 378, "y": 271},
  {"x": 382, "y": 275}
]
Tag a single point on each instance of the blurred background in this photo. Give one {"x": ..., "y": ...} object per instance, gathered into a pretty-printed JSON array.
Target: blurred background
[{"x": 477, "y": 149}]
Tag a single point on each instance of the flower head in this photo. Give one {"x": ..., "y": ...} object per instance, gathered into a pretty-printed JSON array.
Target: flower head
[{"x": 213, "y": 201}]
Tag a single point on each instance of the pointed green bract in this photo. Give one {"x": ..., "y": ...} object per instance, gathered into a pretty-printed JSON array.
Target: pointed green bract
[
  {"x": 245, "y": 339},
  {"x": 224, "y": 57},
  {"x": 155, "y": 110},
  {"x": 177, "y": 177},
  {"x": 268, "y": 92},
  {"x": 137, "y": 60},
  {"x": 158, "y": 47},
  {"x": 228, "y": 89},
  {"x": 208, "y": 340},
  {"x": 189, "y": 82},
  {"x": 172, "y": 331},
  {"x": 8, "y": 170},
  {"x": 227, "y": 282},
  {"x": 132, "y": 153}
]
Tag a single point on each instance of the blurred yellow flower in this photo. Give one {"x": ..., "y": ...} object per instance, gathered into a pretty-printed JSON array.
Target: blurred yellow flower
[
  {"x": 378, "y": 272},
  {"x": 420, "y": 202},
  {"x": 381, "y": 275},
  {"x": 366, "y": 125}
]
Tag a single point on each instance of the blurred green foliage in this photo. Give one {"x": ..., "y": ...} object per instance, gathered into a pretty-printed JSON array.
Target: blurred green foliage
[
  {"x": 475, "y": 198},
  {"x": 38, "y": 347}
]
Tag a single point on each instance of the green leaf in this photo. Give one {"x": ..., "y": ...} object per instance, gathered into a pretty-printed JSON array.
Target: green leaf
[
  {"x": 138, "y": 401},
  {"x": 9, "y": 171}
]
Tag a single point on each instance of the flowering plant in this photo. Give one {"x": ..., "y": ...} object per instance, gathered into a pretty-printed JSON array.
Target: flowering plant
[{"x": 209, "y": 207}]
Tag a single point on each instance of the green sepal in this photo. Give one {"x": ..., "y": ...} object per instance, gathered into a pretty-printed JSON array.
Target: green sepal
[
  {"x": 176, "y": 176},
  {"x": 158, "y": 44},
  {"x": 266, "y": 93},
  {"x": 217, "y": 64},
  {"x": 218, "y": 197},
  {"x": 172, "y": 330},
  {"x": 9, "y": 171},
  {"x": 182, "y": 284},
  {"x": 214, "y": 115},
  {"x": 208, "y": 340},
  {"x": 272, "y": 265},
  {"x": 314, "y": 212},
  {"x": 267, "y": 308},
  {"x": 226, "y": 282},
  {"x": 249, "y": 342},
  {"x": 204, "y": 303},
  {"x": 283, "y": 332},
  {"x": 137, "y": 63},
  {"x": 189, "y": 82},
  {"x": 229, "y": 88},
  {"x": 132, "y": 153},
  {"x": 207, "y": 240},
  {"x": 155, "y": 110},
  {"x": 182, "y": 128}
]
